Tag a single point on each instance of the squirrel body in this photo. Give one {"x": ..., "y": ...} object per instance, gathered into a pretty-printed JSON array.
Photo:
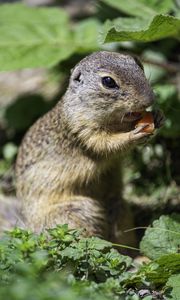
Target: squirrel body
[{"x": 68, "y": 168}]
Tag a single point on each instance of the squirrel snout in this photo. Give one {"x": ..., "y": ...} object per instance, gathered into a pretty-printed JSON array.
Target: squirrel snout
[
  {"x": 148, "y": 99},
  {"x": 144, "y": 100}
]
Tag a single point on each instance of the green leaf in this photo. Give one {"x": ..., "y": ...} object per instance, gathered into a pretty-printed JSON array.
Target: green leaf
[
  {"x": 166, "y": 266},
  {"x": 132, "y": 7},
  {"x": 156, "y": 273},
  {"x": 160, "y": 7},
  {"x": 144, "y": 30},
  {"x": 42, "y": 37},
  {"x": 94, "y": 243},
  {"x": 162, "y": 238},
  {"x": 141, "y": 8},
  {"x": 72, "y": 253},
  {"x": 173, "y": 288},
  {"x": 9, "y": 151},
  {"x": 33, "y": 37},
  {"x": 86, "y": 35}
]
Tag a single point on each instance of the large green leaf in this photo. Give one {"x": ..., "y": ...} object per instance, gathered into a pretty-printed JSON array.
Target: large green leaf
[
  {"x": 138, "y": 29},
  {"x": 33, "y": 37},
  {"x": 141, "y": 8},
  {"x": 157, "y": 272},
  {"x": 162, "y": 238},
  {"x": 160, "y": 7},
  {"x": 86, "y": 34},
  {"x": 164, "y": 267},
  {"x": 131, "y": 7},
  {"x": 173, "y": 288},
  {"x": 41, "y": 37}
]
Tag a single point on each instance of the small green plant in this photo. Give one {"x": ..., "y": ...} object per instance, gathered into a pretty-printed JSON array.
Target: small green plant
[{"x": 60, "y": 264}]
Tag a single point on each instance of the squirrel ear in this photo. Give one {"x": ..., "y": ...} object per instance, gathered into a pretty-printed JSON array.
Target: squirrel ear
[
  {"x": 139, "y": 63},
  {"x": 76, "y": 76}
]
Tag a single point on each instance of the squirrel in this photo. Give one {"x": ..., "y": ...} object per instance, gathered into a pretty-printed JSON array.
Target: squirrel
[{"x": 68, "y": 167}]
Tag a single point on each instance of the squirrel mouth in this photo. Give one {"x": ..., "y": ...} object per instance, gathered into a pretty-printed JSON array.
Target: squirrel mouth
[
  {"x": 127, "y": 122},
  {"x": 132, "y": 116}
]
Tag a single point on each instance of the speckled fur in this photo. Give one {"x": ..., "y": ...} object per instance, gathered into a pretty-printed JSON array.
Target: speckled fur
[{"x": 69, "y": 163}]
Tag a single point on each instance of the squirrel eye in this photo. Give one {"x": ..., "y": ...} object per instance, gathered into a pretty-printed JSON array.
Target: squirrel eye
[{"x": 109, "y": 83}]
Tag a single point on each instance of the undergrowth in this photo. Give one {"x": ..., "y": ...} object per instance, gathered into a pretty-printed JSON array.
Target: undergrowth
[{"x": 61, "y": 264}]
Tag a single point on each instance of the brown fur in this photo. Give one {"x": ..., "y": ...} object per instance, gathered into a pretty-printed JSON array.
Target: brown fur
[{"x": 68, "y": 168}]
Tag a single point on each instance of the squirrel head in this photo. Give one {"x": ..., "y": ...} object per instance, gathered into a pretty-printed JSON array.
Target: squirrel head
[{"x": 108, "y": 87}]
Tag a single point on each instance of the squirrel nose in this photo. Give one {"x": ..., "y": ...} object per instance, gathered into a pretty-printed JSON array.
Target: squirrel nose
[{"x": 149, "y": 98}]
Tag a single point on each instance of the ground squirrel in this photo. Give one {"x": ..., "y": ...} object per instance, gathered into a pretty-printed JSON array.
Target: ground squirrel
[{"x": 68, "y": 166}]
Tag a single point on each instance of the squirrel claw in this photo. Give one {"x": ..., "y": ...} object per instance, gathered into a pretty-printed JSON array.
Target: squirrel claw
[
  {"x": 139, "y": 128},
  {"x": 140, "y": 137}
]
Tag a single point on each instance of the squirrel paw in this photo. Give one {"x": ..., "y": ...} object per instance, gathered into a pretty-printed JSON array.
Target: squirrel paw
[{"x": 138, "y": 136}]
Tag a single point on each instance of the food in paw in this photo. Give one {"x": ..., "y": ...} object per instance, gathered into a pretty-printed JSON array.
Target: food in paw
[{"x": 146, "y": 122}]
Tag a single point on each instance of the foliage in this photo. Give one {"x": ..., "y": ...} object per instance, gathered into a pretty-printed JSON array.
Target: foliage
[
  {"x": 40, "y": 37},
  {"x": 61, "y": 264},
  {"x": 44, "y": 37},
  {"x": 142, "y": 8},
  {"x": 148, "y": 22},
  {"x": 123, "y": 29},
  {"x": 173, "y": 287},
  {"x": 162, "y": 238}
]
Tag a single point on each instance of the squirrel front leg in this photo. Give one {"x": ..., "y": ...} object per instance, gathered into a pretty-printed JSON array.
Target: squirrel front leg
[
  {"x": 107, "y": 142},
  {"x": 104, "y": 142}
]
